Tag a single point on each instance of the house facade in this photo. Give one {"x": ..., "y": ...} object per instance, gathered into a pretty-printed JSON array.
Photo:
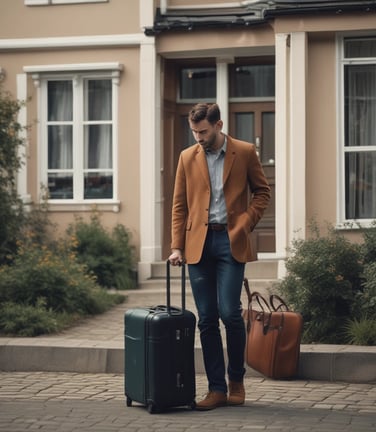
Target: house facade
[{"x": 109, "y": 84}]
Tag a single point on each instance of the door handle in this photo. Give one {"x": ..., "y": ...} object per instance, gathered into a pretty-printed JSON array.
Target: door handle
[{"x": 258, "y": 146}]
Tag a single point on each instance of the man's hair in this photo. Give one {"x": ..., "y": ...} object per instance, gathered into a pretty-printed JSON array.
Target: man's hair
[{"x": 204, "y": 111}]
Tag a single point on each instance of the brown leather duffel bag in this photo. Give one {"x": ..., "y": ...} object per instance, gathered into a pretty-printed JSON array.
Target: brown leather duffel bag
[{"x": 273, "y": 336}]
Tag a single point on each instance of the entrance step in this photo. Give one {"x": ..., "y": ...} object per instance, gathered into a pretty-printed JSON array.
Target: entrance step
[{"x": 261, "y": 269}]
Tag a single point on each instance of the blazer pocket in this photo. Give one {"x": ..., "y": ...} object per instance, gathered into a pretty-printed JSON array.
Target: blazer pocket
[{"x": 245, "y": 222}]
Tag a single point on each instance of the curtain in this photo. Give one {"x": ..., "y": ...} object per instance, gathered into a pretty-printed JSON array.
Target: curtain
[
  {"x": 360, "y": 119},
  {"x": 98, "y": 134},
  {"x": 60, "y": 116}
]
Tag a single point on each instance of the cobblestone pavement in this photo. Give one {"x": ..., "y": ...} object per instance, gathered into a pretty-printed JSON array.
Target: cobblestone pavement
[{"x": 63, "y": 402}]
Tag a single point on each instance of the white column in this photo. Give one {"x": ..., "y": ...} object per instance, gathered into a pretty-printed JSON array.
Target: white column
[
  {"x": 150, "y": 183},
  {"x": 222, "y": 89},
  {"x": 22, "y": 119},
  {"x": 281, "y": 148},
  {"x": 297, "y": 165}
]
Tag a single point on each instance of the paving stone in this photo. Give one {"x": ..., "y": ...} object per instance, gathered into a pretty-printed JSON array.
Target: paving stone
[{"x": 65, "y": 402}]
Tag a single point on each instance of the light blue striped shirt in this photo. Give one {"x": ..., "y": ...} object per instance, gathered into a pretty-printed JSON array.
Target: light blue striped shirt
[{"x": 217, "y": 211}]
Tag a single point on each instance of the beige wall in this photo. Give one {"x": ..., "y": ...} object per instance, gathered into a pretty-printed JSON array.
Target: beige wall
[
  {"x": 321, "y": 23},
  {"x": 199, "y": 42},
  {"x": 321, "y": 151},
  {"x": 113, "y": 17}
]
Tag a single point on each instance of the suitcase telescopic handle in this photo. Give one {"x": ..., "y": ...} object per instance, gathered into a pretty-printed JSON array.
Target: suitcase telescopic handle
[{"x": 168, "y": 286}]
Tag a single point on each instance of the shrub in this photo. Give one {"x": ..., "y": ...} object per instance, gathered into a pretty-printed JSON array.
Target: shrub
[
  {"x": 39, "y": 273},
  {"x": 324, "y": 279},
  {"x": 368, "y": 248},
  {"x": 26, "y": 320},
  {"x": 361, "y": 332},
  {"x": 366, "y": 298},
  {"x": 11, "y": 210},
  {"x": 46, "y": 290},
  {"x": 108, "y": 255}
]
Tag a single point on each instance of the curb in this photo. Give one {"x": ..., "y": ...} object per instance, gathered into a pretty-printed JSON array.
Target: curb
[{"x": 317, "y": 362}]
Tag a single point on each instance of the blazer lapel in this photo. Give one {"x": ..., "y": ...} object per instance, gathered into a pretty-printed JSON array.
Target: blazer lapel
[
  {"x": 203, "y": 165},
  {"x": 229, "y": 159}
]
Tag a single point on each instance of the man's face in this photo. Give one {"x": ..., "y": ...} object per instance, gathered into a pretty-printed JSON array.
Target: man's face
[{"x": 206, "y": 134}]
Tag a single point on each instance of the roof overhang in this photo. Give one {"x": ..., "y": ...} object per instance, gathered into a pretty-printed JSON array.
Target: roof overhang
[{"x": 248, "y": 13}]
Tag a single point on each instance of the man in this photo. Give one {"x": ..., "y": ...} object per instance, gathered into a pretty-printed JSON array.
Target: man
[{"x": 220, "y": 195}]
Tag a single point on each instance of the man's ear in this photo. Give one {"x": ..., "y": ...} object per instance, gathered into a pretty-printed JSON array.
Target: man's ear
[{"x": 219, "y": 124}]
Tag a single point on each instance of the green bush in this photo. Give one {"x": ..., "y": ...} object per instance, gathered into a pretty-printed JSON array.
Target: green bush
[
  {"x": 11, "y": 209},
  {"x": 366, "y": 298},
  {"x": 325, "y": 282},
  {"x": 368, "y": 248},
  {"x": 44, "y": 290},
  {"x": 26, "y": 320},
  {"x": 38, "y": 273},
  {"x": 108, "y": 255},
  {"x": 361, "y": 332}
]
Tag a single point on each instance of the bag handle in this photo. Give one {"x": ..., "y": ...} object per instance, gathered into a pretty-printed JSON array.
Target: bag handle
[
  {"x": 262, "y": 302},
  {"x": 248, "y": 291},
  {"x": 282, "y": 304}
]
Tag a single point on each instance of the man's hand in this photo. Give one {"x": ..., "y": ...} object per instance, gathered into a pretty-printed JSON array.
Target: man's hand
[{"x": 176, "y": 257}]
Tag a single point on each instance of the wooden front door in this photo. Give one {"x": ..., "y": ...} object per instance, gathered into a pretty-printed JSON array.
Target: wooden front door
[{"x": 254, "y": 122}]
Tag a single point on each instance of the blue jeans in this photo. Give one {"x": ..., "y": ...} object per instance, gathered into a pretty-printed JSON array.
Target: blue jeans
[{"x": 216, "y": 283}]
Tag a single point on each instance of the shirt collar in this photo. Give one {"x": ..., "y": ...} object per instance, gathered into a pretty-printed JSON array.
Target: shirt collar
[{"x": 222, "y": 149}]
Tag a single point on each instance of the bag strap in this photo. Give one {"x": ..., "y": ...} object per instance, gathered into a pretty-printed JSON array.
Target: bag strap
[
  {"x": 262, "y": 302},
  {"x": 248, "y": 291},
  {"x": 282, "y": 304},
  {"x": 265, "y": 312}
]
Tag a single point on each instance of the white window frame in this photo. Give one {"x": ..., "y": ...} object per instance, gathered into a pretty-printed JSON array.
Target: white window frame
[
  {"x": 77, "y": 73},
  {"x": 342, "y": 222}
]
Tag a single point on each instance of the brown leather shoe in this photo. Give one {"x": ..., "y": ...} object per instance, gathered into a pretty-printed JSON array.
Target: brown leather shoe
[
  {"x": 236, "y": 393},
  {"x": 213, "y": 399}
]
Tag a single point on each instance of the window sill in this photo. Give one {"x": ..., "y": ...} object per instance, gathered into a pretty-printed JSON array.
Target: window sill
[
  {"x": 355, "y": 224},
  {"x": 59, "y": 2},
  {"x": 65, "y": 206}
]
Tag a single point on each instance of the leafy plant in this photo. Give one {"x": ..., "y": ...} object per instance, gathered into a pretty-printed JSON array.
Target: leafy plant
[
  {"x": 44, "y": 289},
  {"x": 11, "y": 209},
  {"x": 27, "y": 320},
  {"x": 323, "y": 281},
  {"x": 108, "y": 255},
  {"x": 361, "y": 332},
  {"x": 366, "y": 298},
  {"x": 368, "y": 248}
]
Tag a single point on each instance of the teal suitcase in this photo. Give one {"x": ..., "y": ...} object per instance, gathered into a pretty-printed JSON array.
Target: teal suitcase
[{"x": 159, "y": 367}]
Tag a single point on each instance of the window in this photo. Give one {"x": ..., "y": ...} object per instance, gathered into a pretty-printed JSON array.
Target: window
[
  {"x": 359, "y": 129},
  {"x": 198, "y": 84},
  {"x": 77, "y": 127},
  {"x": 252, "y": 81}
]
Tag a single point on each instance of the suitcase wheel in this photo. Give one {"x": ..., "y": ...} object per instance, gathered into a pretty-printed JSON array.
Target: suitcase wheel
[
  {"x": 129, "y": 401},
  {"x": 193, "y": 405},
  {"x": 152, "y": 409}
]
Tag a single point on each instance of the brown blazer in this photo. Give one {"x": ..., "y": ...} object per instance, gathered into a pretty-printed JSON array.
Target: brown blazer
[{"x": 246, "y": 192}]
